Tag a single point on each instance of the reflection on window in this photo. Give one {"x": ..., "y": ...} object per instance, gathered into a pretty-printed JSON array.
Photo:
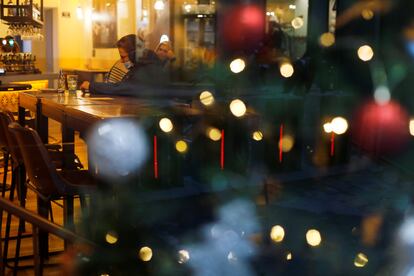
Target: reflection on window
[{"x": 286, "y": 28}]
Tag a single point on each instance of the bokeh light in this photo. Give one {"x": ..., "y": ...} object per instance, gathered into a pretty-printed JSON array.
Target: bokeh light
[
  {"x": 181, "y": 146},
  {"x": 365, "y": 53},
  {"x": 242, "y": 27},
  {"x": 327, "y": 127},
  {"x": 237, "y": 65},
  {"x": 339, "y": 125},
  {"x": 287, "y": 143},
  {"x": 164, "y": 38},
  {"x": 111, "y": 237},
  {"x": 145, "y": 254},
  {"x": 297, "y": 22},
  {"x": 327, "y": 39},
  {"x": 159, "y": 5},
  {"x": 289, "y": 256},
  {"x": 381, "y": 129},
  {"x": 313, "y": 237},
  {"x": 277, "y": 233},
  {"x": 238, "y": 108},
  {"x": 367, "y": 14},
  {"x": 166, "y": 125},
  {"x": 183, "y": 256},
  {"x": 360, "y": 260},
  {"x": 382, "y": 95},
  {"x": 412, "y": 127},
  {"x": 257, "y": 135},
  {"x": 206, "y": 98},
  {"x": 286, "y": 69},
  {"x": 117, "y": 147},
  {"x": 214, "y": 133}
]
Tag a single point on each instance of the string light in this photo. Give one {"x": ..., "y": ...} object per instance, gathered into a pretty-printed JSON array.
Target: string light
[
  {"x": 183, "y": 256},
  {"x": 214, "y": 134},
  {"x": 238, "y": 108},
  {"x": 367, "y": 14},
  {"x": 237, "y": 65},
  {"x": 313, "y": 237},
  {"x": 277, "y": 234},
  {"x": 360, "y": 260},
  {"x": 257, "y": 135},
  {"x": 145, "y": 254},
  {"x": 206, "y": 98},
  {"x": 166, "y": 125},
  {"x": 297, "y": 22},
  {"x": 286, "y": 70},
  {"x": 287, "y": 143},
  {"x": 339, "y": 125},
  {"x": 289, "y": 256},
  {"x": 181, "y": 146},
  {"x": 327, "y": 127},
  {"x": 412, "y": 127},
  {"x": 327, "y": 39},
  {"x": 365, "y": 53},
  {"x": 111, "y": 237}
]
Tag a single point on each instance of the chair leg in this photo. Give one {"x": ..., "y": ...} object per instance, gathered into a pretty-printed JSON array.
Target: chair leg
[
  {"x": 43, "y": 210},
  {"x": 8, "y": 220},
  {"x": 23, "y": 190},
  {"x": 6, "y": 168}
]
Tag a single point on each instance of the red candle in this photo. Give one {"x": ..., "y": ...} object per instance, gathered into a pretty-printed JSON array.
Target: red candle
[
  {"x": 222, "y": 150},
  {"x": 155, "y": 158}
]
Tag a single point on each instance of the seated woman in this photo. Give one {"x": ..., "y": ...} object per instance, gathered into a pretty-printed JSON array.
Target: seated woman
[{"x": 146, "y": 76}]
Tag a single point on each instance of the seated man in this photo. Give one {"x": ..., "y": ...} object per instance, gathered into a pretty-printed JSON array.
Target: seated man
[
  {"x": 118, "y": 71},
  {"x": 146, "y": 76}
]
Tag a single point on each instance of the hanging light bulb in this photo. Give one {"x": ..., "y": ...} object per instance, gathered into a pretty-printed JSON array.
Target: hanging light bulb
[
  {"x": 164, "y": 38},
  {"x": 159, "y": 5}
]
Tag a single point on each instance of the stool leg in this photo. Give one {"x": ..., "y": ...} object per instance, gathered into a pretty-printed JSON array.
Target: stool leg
[
  {"x": 8, "y": 220},
  {"x": 6, "y": 168}
]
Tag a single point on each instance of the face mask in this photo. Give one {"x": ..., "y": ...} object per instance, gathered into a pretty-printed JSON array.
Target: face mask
[{"x": 128, "y": 65}]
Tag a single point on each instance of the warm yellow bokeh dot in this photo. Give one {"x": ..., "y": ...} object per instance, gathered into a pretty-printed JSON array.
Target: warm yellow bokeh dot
[
  {"x": 313, "y": 237},
  {"x": 257, "y": 135},
  {"x": 206, "y": 98},
  {"x": 360, "y": 260},
  {"x": 367, "y": 14},
  {"x": 181, "y": 146},
  {"x": 327, "y": 39},
  {"x": 237, "y": 65},
  {"x": 365, "y": 53},
  {"x": 412, "y": 127},
  {"x": 289, "y": 256},
  {"x": 111, "y": 237},
  {"x": 297, "y": 22},
  {"x": 286, "y": 70},
  {"x": 214, "y": 134},
  {"x": 287, "y": 143},
  {"x": 166, "y": 125},
  {"x": 238, "y": 108},
  {"x": 339, "y": 125},
  {"x": 183, "y": 256},
  {"x": 277, "y": 234},
  {"x": 145, "y": 254},
  {"x": 327, "y": 127}
]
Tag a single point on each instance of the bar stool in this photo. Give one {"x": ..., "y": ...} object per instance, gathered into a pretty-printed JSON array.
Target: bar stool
[
  {"x": 19, "y": 176},
  {"x": 48, "y": 183}
]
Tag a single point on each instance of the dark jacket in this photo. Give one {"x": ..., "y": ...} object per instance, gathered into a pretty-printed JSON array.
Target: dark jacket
[{"x": 148, "y": 77}]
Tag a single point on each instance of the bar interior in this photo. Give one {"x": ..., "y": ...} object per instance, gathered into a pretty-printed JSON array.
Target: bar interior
[{"x": 206, "y": 137}]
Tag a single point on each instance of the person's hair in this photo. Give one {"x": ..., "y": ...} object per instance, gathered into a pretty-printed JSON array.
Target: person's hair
[
  {"x": 167, "y": 43},
  {"x": 128, "y": 44}
]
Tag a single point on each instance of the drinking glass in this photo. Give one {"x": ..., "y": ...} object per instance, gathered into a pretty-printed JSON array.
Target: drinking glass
[{"x": 72, "y": 82}]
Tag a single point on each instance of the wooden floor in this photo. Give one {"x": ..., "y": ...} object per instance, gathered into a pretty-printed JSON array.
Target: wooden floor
[{"x": 55, "y": 244}]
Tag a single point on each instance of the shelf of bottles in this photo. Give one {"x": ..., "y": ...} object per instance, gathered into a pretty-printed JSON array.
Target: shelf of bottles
[
  {"x": 22, "y": 12},
  {"x": 18, "y": 63}
]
